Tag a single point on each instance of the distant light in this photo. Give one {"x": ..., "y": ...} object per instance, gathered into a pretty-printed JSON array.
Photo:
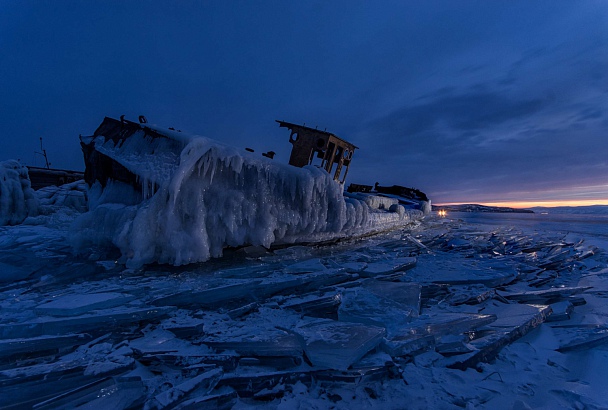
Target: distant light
[{"x": 442, "y": 213}]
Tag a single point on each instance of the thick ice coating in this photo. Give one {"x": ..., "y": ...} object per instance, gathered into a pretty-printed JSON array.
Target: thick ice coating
[
  {"x": 217, "y": 197},
  {"x": 17, "y": 198}
]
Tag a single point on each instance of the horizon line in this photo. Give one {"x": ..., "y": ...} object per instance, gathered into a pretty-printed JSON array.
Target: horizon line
[{"x": 532, "y": 204}]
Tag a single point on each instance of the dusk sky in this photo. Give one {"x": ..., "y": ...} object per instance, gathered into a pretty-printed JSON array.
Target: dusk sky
[{"x": 469, "y": 101}]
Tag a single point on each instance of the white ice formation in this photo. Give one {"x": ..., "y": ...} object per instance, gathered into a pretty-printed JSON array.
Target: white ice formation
[
  {"x": 72, "y": 195},
  {"x": 198, "y": 196},
  {"x": 17, "y": 198}
]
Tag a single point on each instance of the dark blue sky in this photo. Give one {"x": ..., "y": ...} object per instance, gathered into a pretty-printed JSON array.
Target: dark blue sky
[{"x": 469, "y": 101}]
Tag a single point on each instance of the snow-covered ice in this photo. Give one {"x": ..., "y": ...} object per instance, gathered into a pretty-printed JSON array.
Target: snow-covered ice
[
  {"x": 17, "y": 198},
  {"x": 467, "y": 311}
]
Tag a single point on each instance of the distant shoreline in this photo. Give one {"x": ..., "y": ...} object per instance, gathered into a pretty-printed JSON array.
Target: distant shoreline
[
  {"x": 587, "y": 210},
  {"x": 480, "y": 208}
]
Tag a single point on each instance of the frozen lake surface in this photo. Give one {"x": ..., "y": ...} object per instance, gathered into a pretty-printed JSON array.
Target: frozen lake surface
[
  {"x": 589, "y": 225},
  {"x": 473, "y": 310}
]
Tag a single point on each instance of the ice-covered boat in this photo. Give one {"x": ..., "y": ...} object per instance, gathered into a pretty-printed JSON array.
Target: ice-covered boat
[{"x": 161, "y": 195}]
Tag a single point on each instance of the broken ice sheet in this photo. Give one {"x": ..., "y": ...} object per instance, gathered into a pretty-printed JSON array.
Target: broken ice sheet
[
  {"x": 258, "y": 343},
  {"x": 309, "y": 266},
  {"x": 544, "y": 296},
  {"x": 50, "y": 393},
  {"x": 63, "y": 273},
  {"x": 298, "y": 284},
  {"x": 362, "y": 306},
  {"x": 242, "y": 310},
  {"x": 453, "y": 271},
  {"x": 256, "y": 336},
  {"x": 407, "y": 294},
  {"x": 469, "y": 295},
  {"x": 517, "y": 315},
  {"x": 514, "y": 321},
  {"x": 451, "y": 348},
  {"x": 385, "y": 267},
  {"x": 561, "y": 311},
  {"x": 77, "y": 304},
  {"x": 408, "y": 344},
  {"x": 441, "y": 323},
  {"x": 118, "y": 393},
  {"x": 353, "y": 267},
  {"x": 183, "y": 325},
  {"x": 203, "y": 384},
  {"x": 32, "y": 345},
  {"x": 189, "y": 361},
  {"x": 163, "y": 341},
  {"x": 581, "y": 338},
  {"x": 337, "y": 345},
  {"x": 248, "y": 382},
  {"x": 82, "y": 367},
  {"x": 102, "y": 357},
  {"x": 211, "y": 297},
  {"x": 374, "y": 366},
  {"x": 222, "y": 398},
  {"x": 324, "y": 305},
  {"x": 95, "y": 323},
  {"x": 12, "y": 272},
  {"x": 243, "y": 272}
]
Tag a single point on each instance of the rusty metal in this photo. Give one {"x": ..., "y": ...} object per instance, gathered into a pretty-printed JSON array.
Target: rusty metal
[{"x": 310, "y": 144}]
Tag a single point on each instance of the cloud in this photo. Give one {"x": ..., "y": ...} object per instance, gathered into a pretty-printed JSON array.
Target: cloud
[
  {"x": 463, "y": 114},
  {"x": 482, "y": 142}
]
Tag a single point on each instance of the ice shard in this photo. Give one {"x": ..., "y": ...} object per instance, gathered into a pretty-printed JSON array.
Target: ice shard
[
  {"x": 441, "y": 324},
  {"x": 337, "y": 345},
  {"x": 211, "y": 297},
  {"x": 203, "y": 383},
  {"x": 223, "y": 398},
  {"x": 388, "y": 267},
  {"x": 93, "y": 323},
  {"x": 561, "y": 311},
  {"x": 74, "y": 305},
  {"x": 406, "y": 294},
  {"x": 31, "y": 384},
  {"x": 316, "y": 306},
  {"x": 34, "y": 345},
  {"x": 119, "y": 393},
  {"x": 247, "y": 384},
  {"x": 514, "y": 321},
  {"x": 408, "y": 344},
  {"x": 547, "y": 295},
  {"x": 256, "y": 344},
  {"x": 184, "y": 326},
  {"x": 363, "y": 306},
  {"x": 161, "y": 341},
  {"x": 467, "y": 273},
  {"x": 586, "y": 339}
]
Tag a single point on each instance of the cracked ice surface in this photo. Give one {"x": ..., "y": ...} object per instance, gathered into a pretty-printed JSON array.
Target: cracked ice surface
[{"x": 447, "y": 314}]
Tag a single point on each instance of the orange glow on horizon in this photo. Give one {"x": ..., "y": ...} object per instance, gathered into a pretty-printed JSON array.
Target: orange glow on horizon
[{"x": 530, "y": 204}]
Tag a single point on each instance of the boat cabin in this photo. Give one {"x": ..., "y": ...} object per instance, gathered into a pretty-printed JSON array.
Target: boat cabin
[{"x": 310, "y": 145}]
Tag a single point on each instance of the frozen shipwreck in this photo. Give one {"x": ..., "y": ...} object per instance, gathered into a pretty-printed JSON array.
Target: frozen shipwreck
[{"x": 161, "y": 195}]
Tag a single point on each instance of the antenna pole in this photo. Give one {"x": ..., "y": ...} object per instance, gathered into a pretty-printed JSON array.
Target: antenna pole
[{"x": 46, "y": 159}]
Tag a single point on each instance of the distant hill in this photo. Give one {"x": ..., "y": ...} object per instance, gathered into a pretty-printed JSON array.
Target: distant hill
[
  {"x": 480, "y": 208},
  {"x": 591, "y": 210}
]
